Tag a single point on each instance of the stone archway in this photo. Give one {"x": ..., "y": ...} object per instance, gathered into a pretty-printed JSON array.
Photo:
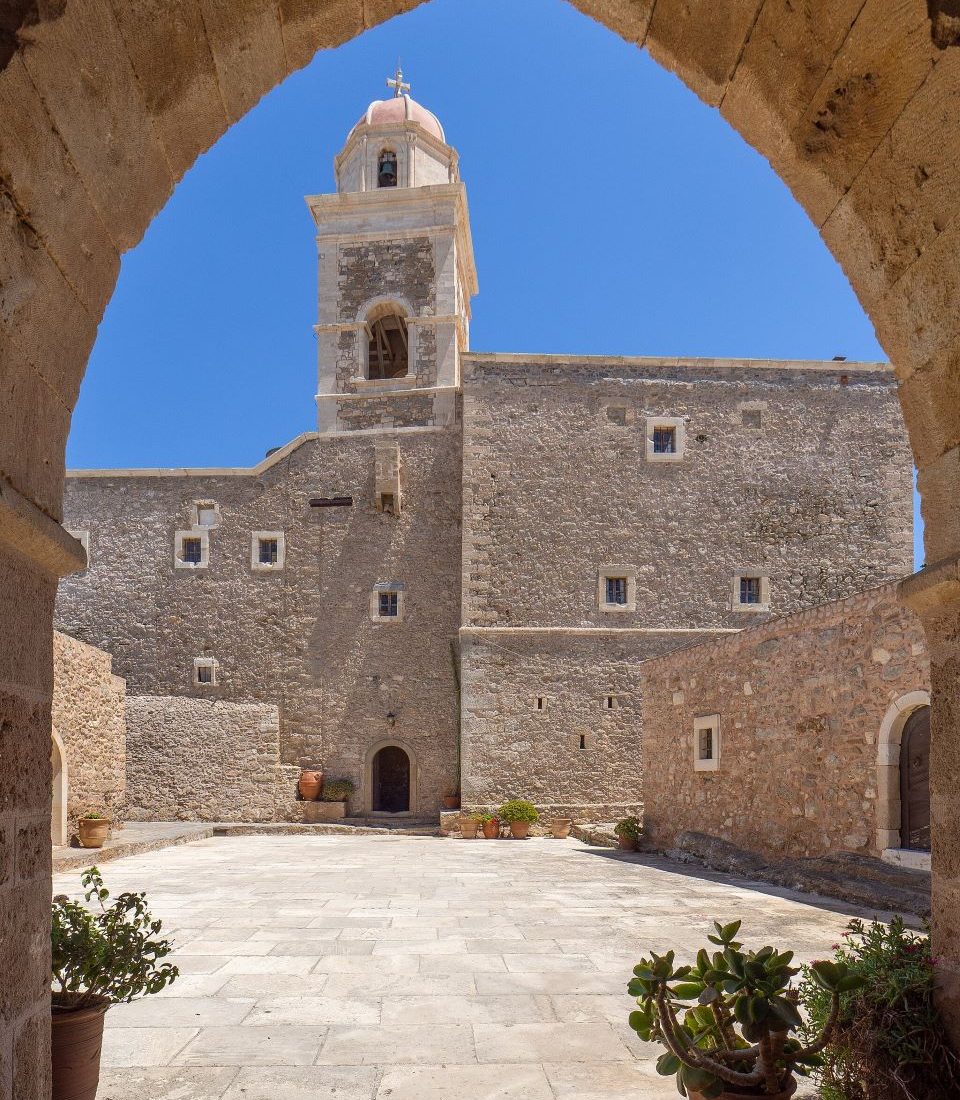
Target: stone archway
[
  {"x": 380, "y": 757},
  {"x": 104, "y": 107},
  {"x": 888, "y": 772}
]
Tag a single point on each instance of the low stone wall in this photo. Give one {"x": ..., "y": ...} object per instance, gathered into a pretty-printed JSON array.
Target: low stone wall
[
  {"x": 204, "y": 760},
  {"x": 88, "y": 732},
  {"x": 804, "y": 705}
]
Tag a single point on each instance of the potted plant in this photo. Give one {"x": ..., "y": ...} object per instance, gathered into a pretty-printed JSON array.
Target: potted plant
[
  {"x": 520, "y": 814},
  {"x": 93, "y": 829},
  {"x": 490, "y": 825},
  {"x": 451, "y": 800},
  {"x": 310, "y": 784},
  {"x": 333, "y": 804},
  {"x": 469, "y": 824},
  {"x": 629, "y": 831},
  {"x": 101, "y": 956},
  {"x": 736, "y": 1038},
  {"x": 560, "y": 827}
]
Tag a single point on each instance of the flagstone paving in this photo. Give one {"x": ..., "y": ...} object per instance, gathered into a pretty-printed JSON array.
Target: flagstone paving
[{"x": 415, "y": 968}]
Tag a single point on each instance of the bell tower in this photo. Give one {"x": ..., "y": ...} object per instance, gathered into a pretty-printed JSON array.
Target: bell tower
[{"x": 396, "y": 274}]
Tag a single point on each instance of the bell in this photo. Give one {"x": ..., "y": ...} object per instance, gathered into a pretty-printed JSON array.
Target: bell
[{"x": 388, "y": 173}]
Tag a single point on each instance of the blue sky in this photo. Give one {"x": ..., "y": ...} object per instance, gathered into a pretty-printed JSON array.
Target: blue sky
[{"x": 612, "y": 213}]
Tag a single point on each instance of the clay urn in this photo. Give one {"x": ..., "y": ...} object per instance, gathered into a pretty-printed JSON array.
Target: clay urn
[
  {"x": 469, "y": 827},
  {"x": 491, "y": 829},
  {"x": 519, "y": 830},
  {"x": 560, "y": 827},
  {"x": 93, "y": 831},
  {"x": 310, "y": 785}
]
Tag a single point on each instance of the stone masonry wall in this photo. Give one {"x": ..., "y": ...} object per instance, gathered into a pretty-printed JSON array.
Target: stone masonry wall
[
  {"x": 88, "y": 716},
  {"x": 300, "y": 638},
  {"x": 202, "y": 760},
  {"x": 801, "y": 702}
]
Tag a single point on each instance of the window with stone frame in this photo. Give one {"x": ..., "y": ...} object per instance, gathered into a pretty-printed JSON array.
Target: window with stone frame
[
  {"x": 206, "y": 513},
  {"x": 387, "y": 602},
  {"x": 388, "y": 605},
  {"x": 205, "y": 671},
  {"x": 267, "y": 551},
  {"x": 616, "y": 590},
  {"x": 706, "y": 743},
  {"x": 750, "y": 590},
  {"x": 191, "y": 548}
]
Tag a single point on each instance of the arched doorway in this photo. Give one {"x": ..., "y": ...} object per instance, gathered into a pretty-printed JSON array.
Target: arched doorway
[
  {"x": 59, "y": 834},
  {"x": 915, "y": 782},
  {"x": 390, "y": 781}
]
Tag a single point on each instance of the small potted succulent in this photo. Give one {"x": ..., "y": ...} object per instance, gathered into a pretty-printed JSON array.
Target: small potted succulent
[
  {"x": 469, "y": 826},
  {"x": 490, "y": 825},
  {"x": 93, "y": 829},
  {"x": 629, "y": 831},
  {"x": 106, "y": 955},
  {"x": 729, "y": 1021},
  {"x": 520, "y": 815}
]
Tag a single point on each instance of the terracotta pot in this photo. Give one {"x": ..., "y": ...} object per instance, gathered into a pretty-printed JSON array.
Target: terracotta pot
[
  {"x": 560, "y": 827},
  {"x": 469, "y": 827},
  {"x": 93, "y": 831},
  {"x": 76, "y": 1039},
  {"x": 627, "y": 844},
  {"x": 727, "y": 1094},
  {"x": 519, "y": 829},
  {"x": 451, "y": 802},
  {"x": 310, "y": 785},
  {"x": 491, "y": 829}
]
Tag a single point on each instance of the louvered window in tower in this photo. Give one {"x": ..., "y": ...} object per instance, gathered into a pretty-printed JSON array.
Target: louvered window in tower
[{"x": 388, "y": 349}]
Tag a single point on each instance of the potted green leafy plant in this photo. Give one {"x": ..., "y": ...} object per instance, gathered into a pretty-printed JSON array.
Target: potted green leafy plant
[
  {"x": 333, "y": 802},
  {"x": 489, "y": 824},
  {"x": 520, "y": 814},
  {"x": 104, "y": 955},
  {"x": 729, "y": 1021},
  {"x": 93, "y": 829},
  {"x": 629, "y": 831}
]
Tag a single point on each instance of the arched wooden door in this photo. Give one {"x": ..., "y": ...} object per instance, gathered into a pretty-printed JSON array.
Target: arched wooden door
[
  {"x": 391, "y": 780},
  {"x": 915, "y": 782}
]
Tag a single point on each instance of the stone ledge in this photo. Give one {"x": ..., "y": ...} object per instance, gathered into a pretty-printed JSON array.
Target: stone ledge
[{"x": 133, "y": 839}]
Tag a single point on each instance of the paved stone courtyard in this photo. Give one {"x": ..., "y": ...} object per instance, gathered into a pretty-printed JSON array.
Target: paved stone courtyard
[{"x": 414, "y": 968}]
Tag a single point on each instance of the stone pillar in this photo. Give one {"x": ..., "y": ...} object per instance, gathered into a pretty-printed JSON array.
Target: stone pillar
[
  {"x": 934, "y": 593},
  {"x": 34, "y": 552}
]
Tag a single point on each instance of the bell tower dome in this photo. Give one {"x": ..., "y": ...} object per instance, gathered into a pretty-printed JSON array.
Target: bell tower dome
[{"x": 396, "y": 274}]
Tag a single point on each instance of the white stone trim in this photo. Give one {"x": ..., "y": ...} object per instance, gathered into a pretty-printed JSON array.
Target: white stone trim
[
  {"x": 906, "y": 857},
  {"x": 601, "y": 631},
  {"x": 888, "y": 767},
  {"x": 679, "y": 425},
  {"x": 387, "y": 586},
  {"x": 206, "y": 662},
  {"x": 259, "y": 566},
  {"x": 612, "y": 571},
  {"x": 709, "y": 722},
  {"x": 694, "y": 362},
  {"x": 206, "y": 506},
  {"x": 745, "y": 573},
  {"x": 60, "y": 778},
  {"x": 82, "y": 535},
  {"x": 201, "y": 533}
]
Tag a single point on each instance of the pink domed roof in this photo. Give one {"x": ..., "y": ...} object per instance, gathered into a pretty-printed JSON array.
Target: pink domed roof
[{"x": 400, "y": 109}]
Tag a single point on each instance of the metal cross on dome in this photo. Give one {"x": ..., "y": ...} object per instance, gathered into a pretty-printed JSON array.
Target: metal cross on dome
[{"x": 396, "y": 82}]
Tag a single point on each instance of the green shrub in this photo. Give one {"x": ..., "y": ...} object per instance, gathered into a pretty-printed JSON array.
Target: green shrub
[
  {"x": 889, "y": 1042},
  {"x": 337, "y": 790},
  {"x": 736, "y": 1033},
  {"x": 629, "y": 828},
  {"x": 94, "y": 816},
  {"x": 108, "y": 954},
  {"x": 487, "y": 815},
  {"x": 518, "y": 809}
]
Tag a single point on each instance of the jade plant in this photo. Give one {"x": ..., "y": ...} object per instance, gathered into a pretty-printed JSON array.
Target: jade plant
[
  {"x": 518, "y": 809},
  {"x": 728, "y": 1021},
  {"x": 107, "y": 954}
]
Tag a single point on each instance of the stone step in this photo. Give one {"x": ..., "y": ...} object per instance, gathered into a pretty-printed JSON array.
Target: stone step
[{"x": 344, "y": 827}]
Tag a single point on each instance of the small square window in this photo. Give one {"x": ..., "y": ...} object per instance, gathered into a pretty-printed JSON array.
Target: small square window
[
  {"x": 387, "y": 602},
  {"x": 664, "y": 441},
  {"x": 388, "y": 605},
  {"x": 269, "y": 551},
  {"x": 205, "y": 671},
  {"x": 191, "y": 551},
  {"x": 540, "y": 703},
  {"x": 583, "y": 741},
  {"x": 609, "y": 702},
  {"x": 616, "y": 590},
  {"x": 750, "y": 590},
  {"x": 752, "y": 418},
  {"x": 706, "y": 743}
]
